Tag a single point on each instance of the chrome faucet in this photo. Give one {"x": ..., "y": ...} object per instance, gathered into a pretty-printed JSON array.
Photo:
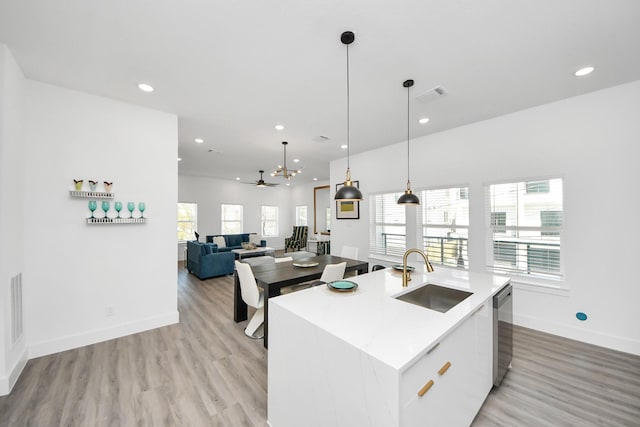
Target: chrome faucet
[{"x": 406, "y": 275}]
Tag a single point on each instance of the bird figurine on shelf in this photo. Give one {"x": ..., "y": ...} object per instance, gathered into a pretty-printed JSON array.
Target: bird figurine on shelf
[
  {"x": 92, "y": 184},
  {"x": 78, "y": 184},
  {"x": 107, "y": 186}
]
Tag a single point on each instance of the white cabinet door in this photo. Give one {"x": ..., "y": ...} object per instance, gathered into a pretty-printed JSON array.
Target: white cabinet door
[{"x": 459, "y": 369}]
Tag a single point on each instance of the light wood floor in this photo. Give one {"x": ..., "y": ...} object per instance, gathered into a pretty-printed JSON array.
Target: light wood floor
[{"x": 206, "y": 372}]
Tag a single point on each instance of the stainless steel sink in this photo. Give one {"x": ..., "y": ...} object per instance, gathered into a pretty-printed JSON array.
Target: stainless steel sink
[{"x": 435, "y": 297}]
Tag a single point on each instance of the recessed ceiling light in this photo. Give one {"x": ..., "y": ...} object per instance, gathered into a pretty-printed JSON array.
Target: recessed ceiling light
[
  {"x": 279, "y": 127},
  {"x": 288, "y": 184},
  {"x": 296, "y": 160},
  {"x": 423, "y": 120},
  {"x": 344, "y": 146},
  {"x": 237, "y": 178},
  {"x": 145, "y": 87},
  {"x": 315, "y": 179},
  {"x": 199, "y": 140},
  {"x": 584, "y": 71},
  {"x": 179, "y": 159}
]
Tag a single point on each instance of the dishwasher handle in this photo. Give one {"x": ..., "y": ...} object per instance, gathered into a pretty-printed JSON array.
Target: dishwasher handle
[{"x": 502, "y": 296}]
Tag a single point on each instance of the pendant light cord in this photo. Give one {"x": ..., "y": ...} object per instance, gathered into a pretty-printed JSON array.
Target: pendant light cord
[
  {"x": 408, "y": 174},
  {"x": 348, "y": 104}
]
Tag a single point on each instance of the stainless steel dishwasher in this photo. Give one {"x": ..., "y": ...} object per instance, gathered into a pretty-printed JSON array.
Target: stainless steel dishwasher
[{"x": 502, "y": 333}]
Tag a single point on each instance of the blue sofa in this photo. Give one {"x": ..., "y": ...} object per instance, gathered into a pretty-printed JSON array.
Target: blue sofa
[
  {"x": 204, "y": 260},
  {"x": 234, "y": 241}
]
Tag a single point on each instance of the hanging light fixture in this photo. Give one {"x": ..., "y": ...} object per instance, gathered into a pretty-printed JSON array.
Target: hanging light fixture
[
  {"x": 348, "y": 192},
  {"x": 408, "y": 198},
  {"x": 282, "y": 169}
]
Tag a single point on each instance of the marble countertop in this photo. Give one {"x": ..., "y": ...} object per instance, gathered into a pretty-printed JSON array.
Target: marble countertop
[{"x": 395, "y": 332}]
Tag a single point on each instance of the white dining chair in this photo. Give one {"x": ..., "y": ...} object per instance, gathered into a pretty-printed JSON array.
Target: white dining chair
[
  {"x": 350, "y": 252},
  {"x": 331, "y": 272},
  {"x": 252, "y": 296}
]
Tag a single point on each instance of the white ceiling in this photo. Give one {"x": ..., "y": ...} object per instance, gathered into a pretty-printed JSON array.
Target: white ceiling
[{"x": 233, "y": 70}]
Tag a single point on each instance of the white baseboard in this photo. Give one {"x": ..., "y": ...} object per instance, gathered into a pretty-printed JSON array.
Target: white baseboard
[
  {"x": 623, "y": 344},
  {"x": 44, "y": 348},
  {"x": 7, "y": 383}
]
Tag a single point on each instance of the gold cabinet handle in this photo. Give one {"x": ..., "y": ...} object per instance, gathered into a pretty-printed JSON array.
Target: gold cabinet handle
[
  {"x": 426, "y": 388},
  {"x": 444, "y": 368}
]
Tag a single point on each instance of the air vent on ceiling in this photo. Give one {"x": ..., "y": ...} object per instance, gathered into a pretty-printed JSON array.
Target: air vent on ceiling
[
  {"x": 320, "y": 138},
  {"x": 432, "y": 94}
]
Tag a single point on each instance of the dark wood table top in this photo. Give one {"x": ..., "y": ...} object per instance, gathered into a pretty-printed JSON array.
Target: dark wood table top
[{"x": 285, "y": 273}]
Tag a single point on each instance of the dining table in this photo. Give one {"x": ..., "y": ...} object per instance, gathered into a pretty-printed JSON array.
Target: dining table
[{"x": 272, "y": 277}]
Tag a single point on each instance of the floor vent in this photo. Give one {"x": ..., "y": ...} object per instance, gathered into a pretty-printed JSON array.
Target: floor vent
[{"x": 16, "y": 308}]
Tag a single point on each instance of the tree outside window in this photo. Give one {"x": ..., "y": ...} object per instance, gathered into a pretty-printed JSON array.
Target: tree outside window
[{"x": 187, "y": 221}]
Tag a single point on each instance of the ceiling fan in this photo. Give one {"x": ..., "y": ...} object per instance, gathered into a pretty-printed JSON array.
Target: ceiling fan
[{"x": 261, "y": 183}]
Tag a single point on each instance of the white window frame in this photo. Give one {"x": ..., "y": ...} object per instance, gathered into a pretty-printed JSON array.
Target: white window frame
[
  {"x": 264, "y": 221},
  {"x": 224, "y": 223},
  {"x": 300, "y": 219},
  {"x": 450, "y": 250},
  {"x": 550, "y": 237},
  {"x": 189, "y": 224},
  {"x": 382, "y": 243}
]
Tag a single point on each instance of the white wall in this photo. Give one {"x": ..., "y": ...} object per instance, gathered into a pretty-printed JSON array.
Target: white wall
[
  {"x": 592, "y": 142},
  {"x": 302, "y": 195},
  {"x": 210, "y": 193},
  {"x": 75, "y": 272},
  {"x": 12, "y": 356}
]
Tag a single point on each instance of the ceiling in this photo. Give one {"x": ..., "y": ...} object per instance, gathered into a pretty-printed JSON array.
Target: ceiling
[{"x": 233, "y": 70}]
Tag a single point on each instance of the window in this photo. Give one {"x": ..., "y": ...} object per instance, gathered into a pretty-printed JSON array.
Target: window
[
  {"x": 327, "y": 214},
  {"x": 187, "y": 221},
  {"x": 445, "y": 225},
  {"x": 537, "y": 186},
  {"x": 231, "y": 219},
  {"x": 301, "y": 215},
  {"x": 269, "y": 221},
  {"x": 388, "y": 225},
  {"x": 526, "y": 220}
]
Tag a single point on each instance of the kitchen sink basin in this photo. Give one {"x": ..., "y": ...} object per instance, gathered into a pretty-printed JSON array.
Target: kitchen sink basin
[{"x": 435, "y": 297}]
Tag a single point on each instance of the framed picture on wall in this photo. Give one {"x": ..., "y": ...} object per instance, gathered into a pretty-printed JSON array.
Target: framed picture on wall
[{"x": 347, "y": 210}]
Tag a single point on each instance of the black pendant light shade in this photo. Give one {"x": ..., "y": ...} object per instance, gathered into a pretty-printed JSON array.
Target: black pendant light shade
[
  {"x": 408, "y": 198},
  {"x": 348, "y": 192}
]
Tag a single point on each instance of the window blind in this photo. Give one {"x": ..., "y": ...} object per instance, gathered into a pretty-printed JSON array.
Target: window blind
[
  {"x": 525, "y": 224},
  {"x": 444, "y": 222},
  {"x": 231, "y": 219},
  {"x": 387, "y": 225},
  {"x": 269, "y": 221}
]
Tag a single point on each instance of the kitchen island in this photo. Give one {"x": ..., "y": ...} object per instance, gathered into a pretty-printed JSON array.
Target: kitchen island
[{"x": 367, "y": 359}]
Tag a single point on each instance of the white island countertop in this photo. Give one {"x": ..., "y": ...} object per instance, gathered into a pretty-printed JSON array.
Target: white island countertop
[{"x": 394, "y": 332}]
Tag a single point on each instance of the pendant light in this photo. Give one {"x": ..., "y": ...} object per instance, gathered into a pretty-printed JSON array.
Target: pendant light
[
  {"x": 348, "y": 192},
  {"x": 408, "y": 198},
  {"x": 282, "y": 170}
]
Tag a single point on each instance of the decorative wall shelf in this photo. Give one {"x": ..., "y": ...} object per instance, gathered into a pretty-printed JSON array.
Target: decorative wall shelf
[
  {"x": 116, "y": 220},
  {"x": 91, "y": 194}
]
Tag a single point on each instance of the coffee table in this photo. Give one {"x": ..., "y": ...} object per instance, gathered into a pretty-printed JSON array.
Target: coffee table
[{"x": 259, "y": 251}]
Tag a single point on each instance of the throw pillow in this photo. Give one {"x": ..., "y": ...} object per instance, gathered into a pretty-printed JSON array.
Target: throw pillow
[
  {"x": 207, "y": 249},
  {"x": 219, "y": 240},
  {"x": 255, "y": 239}
]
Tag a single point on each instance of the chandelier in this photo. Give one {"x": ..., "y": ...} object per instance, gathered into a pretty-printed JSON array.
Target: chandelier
[{"x": 282, "y": 169}]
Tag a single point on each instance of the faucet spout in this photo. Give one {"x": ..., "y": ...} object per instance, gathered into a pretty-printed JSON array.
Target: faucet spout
[{"x": 405, "y": 274}]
